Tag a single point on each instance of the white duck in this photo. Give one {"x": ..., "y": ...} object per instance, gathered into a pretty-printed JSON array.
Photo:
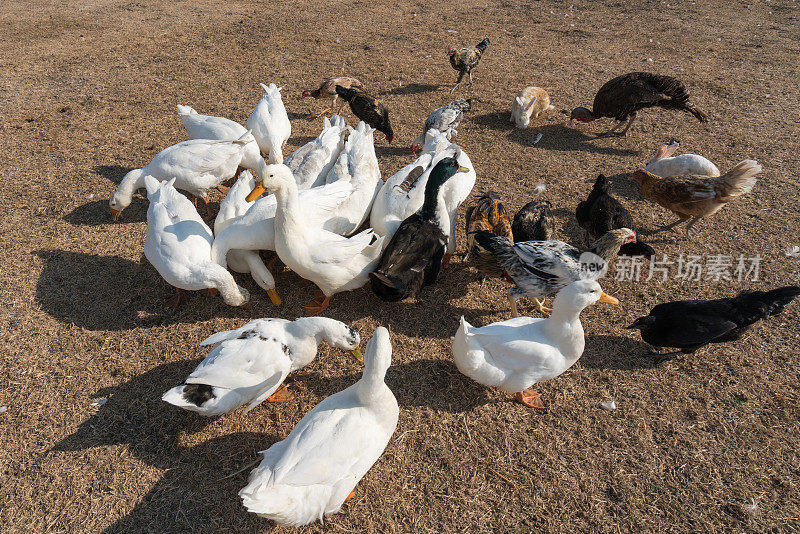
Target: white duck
[
  {"x": 529, "y": 103},
  {"x": 358, "y": 165},
  {"x": 665, "y": 165},
  {"x": 197, "y": 165},
  {"x": 333, "y": 262},
  {"x": 404, "y": 193},
  {"x": 340, "y": 207},
  {"x": 235, "y": 205},
  {"x": 312, "y": 162},
  {"x": 219, "y": 128},
  {"x": 515, "y": 354},
  {"x": 248, "y": 365},
  {"x": 270, "y": 123},
  {"x": 178, "y": 244},
  {"x": 315, "y": 469}
]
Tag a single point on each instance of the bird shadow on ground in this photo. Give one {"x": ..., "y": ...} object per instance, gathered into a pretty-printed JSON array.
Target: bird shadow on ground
[
  {"x": 576, "y": 236},
  {"x": 436, "y": 384},
  {"x": 110, "y": 293},
  {"x": 616, "y": 352},
  {"x": 411, "y": 89},
  {"x": 97, "y": 212},
  {"x": 194, "y": 483},
  {"x": 302, "y": 116},
  {"x": 113, "y": 173},
  {"x": 559, "y": 137},
  {"x": 393, "y": 151},
  {"x": 300, "y": 141},
  {"x": 495, "y": 120}
]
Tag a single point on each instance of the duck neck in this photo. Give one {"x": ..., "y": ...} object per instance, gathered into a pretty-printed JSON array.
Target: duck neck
[
  {"x": 288, "y": 206},
  {"x": 225, "y": 284},
  {"x": 565, "y": 319},
  {"x": 275, "y": 152},
  {"x": 130, "y": 183},
  {"x": 372, "y": 380},
  {"x": 434, "y": 203}
]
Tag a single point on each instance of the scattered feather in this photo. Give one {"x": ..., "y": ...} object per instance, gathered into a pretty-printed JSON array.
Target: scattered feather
[
  {"x": 99, "y": 401},
  {"x": 538, "y": 138},
  {"x": 3, "y": 409},
  {"x": 793, "y": 252},
  {"x": 609, "y": 405}
]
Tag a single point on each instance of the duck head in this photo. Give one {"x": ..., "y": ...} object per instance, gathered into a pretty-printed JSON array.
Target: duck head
[
  {"x": 271, "y": 178},
  {"x": 581, "y": 294}
]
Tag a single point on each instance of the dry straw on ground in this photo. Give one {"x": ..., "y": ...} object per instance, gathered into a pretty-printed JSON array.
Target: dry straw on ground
[{"x": 706, "y": 442}]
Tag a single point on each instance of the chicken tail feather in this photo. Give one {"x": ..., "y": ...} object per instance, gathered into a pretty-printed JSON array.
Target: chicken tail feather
[{"x": 740, "y": 179}]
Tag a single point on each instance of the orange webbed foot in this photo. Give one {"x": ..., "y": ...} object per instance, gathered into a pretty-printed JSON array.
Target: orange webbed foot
[
  {"x": 281, "y": 395},
  {"x": 530, "y": 398},
  {"x": 316, "y": 306}
]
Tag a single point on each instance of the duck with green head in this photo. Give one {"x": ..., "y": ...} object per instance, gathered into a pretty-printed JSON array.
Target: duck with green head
[{"x": 413, "y": 257}]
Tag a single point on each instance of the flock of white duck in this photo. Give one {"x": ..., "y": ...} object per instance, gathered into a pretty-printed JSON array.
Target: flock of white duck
[{"x": 321, "y": 195}]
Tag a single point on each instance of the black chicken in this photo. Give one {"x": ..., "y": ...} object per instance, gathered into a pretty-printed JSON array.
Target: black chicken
[
  {"x": 465, "y": 59},
  {"x": 601, "y": 212},
  {"x": 623, "y": 96},
  {"x": 413, "y": 257},
  {"x": 368, "y": 109},
  {"x": 693, "y": 324}
]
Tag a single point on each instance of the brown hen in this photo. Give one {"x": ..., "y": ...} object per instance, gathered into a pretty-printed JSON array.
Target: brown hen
[
  {"x": 693, "y": 197},
  {"x": 327, "y": 91},
  {"x": 487, "y": 214}
]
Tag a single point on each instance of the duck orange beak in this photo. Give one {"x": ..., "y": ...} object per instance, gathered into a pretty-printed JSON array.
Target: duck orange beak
[
  {"x": 357, "y": 354},
  {"x": 273, "y": 296},
  {"x": 115, "y": 214},
  {"x": 608, "y": 299},
  {"x": 257, "y": 191}
]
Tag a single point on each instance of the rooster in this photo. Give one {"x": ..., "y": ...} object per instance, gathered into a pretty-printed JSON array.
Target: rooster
[
  {"x": 623, "y": 96},
  {"x": 327, "y": 90},
  {"x": 692, "y": 197},
  {"x": 466, "y": 59},
  {"x": 368, "y": 109},
  {"x": 487, "y": 214}
]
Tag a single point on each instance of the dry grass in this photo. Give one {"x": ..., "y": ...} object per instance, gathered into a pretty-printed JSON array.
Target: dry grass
[{"x": 88, "y": 91}]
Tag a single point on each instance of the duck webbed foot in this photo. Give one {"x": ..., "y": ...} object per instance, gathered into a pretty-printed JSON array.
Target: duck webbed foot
[
  {"x": 318, "y": 304},
  {"x": 530, "y": 398}
]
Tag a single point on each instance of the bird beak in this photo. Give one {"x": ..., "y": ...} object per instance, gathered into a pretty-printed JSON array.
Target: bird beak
[
  {"x": 115, "y": 214},
  {"x": 273, "y": 296},
  {"x": 608, "y": 299},
  {"x": 257, "y": 191},
  {"x": 357, "y": 354},
  {"x": 461, "y": 168}
]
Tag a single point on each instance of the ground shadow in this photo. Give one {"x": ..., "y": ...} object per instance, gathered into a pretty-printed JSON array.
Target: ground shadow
[
  {"x": 305, "y": 116},
  {"x": 110, "y": 293},
  {"x": 494, "y": 120},
  {"x": 194, "y": 484},
  {"x": 437, "y": 384},
  {"x": 559, "y": 137},
  {"x": 300, "y": 141},
  {"x": 97, "y": 212},
  {"x": 396, "y": 150},
  {"x": 411, "y": 89},
  {"x": 616, "y": 352},
  {"x": 113, "y": 173}
]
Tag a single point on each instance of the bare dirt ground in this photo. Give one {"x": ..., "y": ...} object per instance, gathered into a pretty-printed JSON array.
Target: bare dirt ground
[{"x": 707, "y": 442}]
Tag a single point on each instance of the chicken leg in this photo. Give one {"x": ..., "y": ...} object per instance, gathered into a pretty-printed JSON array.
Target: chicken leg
[
  {"x": 672, "y": 225},
  {"x": 460, "y": 77}
]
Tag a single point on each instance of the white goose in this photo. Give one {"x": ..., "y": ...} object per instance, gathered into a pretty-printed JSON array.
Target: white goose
[
  {"x": 404, "y": 193},
  {"x": 665, "y": 165},
  {"x": 248, "y": 365},
  {"x": 235, "y": 205},
  {"x": 270, "y": 123},
  {"x": 333, "y": 262},
  {"x": 197, "y": 165},
  {"x": 314, "y": 470},
  {"x": 178, "y": 244},
  {"x": 515, "y": 354}
]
